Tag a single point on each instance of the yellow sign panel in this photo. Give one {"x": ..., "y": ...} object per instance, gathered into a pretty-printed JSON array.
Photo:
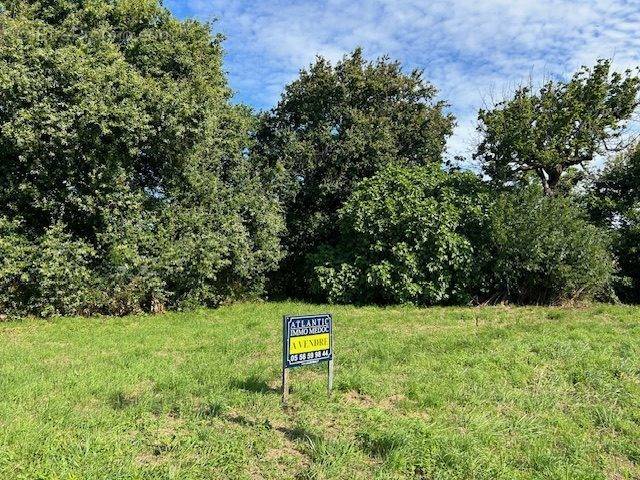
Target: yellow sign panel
[{"x": 308, "y": 343}]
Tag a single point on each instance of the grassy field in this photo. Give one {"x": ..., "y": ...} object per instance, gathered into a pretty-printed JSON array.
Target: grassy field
[{"x": 440, "y": 393}]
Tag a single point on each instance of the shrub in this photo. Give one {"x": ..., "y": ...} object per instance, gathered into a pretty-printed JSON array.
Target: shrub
[
  {"x": 15, "y": 253},
  {"x": 405, "y": 238},
  {"x": 627, "y": 250},
  {"x": 614, "y": 202},
  {"x": 128, "y": 262},
  {"x": 61, "y": 277},
  {"x": 46, "y": 277},
  {"x": 420, "y": 235},
  {"x": 543, "y": 250},
  {"x": 212, "y": 242}
]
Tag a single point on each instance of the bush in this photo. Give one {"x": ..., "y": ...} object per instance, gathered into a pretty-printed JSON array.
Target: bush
[
  {"x": 406, "y": 237},
  {"x": 542, "y": 250},
  {"x": 128, "y": 260},
  {"x": 423, "y": 236},
  {"x": 627, "y": 250},
  {"x": 15, "y": 254},
  {"x": 47, "y": 277},
  {"x": 614, "y": 202},
  {"x": 60, "y": 276},
  {"x": 213, "y": 242},
  {"x": 208, "y": 259}
]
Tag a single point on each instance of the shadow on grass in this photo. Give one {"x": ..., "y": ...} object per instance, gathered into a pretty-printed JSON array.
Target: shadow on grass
[
  {"x": 381, "y": 445},
  {"x": 291, "y": 434},
  {"x": 254, "y": 384},
  {"x": 119, "y": 400}
]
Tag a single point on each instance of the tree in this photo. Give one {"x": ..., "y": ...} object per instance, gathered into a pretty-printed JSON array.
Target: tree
[
  {"x": 565, "y": 124},
  {"x": 117, "y": 128},
  {"x": 94, "y": 90},
  {"x": 616, "y": 190},
  {"x": 334, "y": 126}
]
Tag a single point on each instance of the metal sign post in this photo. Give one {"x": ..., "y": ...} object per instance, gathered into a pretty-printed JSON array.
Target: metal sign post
[
  {"x": 329, "y": 376},
  {"x": 306, "y": 340}
]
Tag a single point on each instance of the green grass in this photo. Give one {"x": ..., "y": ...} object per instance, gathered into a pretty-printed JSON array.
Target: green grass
[{"x": 509, "y": 393}]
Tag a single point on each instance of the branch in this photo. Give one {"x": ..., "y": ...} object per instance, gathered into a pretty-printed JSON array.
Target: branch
[
  {"x": 525, "y": 168},
  {"x": 620, "y": 147}
]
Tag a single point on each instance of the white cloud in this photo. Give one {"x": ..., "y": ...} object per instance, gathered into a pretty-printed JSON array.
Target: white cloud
[{"x": 472, "y": 50}]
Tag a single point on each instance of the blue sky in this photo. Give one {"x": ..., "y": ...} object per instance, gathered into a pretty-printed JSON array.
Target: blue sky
[{"x": 475, "y": 52}]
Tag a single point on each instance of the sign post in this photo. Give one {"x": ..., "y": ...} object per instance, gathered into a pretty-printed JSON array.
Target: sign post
[{"x": 306, "y": 340}]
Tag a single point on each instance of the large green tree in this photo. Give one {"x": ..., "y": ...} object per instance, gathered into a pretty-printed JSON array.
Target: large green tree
[
  {"x": 116, "y": 127},
  {"x": 334, "y": 126},
  {"x": 563, "y": 125}
]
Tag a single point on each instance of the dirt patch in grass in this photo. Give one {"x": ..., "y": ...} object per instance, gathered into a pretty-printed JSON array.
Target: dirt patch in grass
[
  {"x": 620, "y": 467},
  {"x": 365, "y": 401},
  {"x": 360, "y": 399},
  {"x": 58, "y": 361},
  {"x": 286, "y": 452},
  {"x": 391, "y": 402},
  {"x": 147, "y": 459},
  {"x": 121, "y": 399},
  {"x": 171, "y": 426},
  {"x": 177, "y": 358}
]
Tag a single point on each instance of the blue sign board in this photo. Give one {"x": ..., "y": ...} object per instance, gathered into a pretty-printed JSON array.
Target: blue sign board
[{"x": 307, "y": 339}]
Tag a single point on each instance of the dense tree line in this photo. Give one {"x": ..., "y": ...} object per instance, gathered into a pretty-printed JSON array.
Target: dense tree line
[{"x": 130, "y": 182}]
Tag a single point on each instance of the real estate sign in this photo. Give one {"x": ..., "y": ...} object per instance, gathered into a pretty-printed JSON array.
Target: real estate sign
[{"x": 306, "y": 340}]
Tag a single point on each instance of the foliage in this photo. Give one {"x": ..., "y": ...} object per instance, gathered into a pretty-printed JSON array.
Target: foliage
[
  {"x": 616, "y": 191},
  {"x": 565, "y": 124},
  {"x": 50, "y": 277},
  {"x": 543, "y": 250},
  {"x": 116, "y": 122},
  {"x": 627, "y": 251},
  {"x": 60, "y": 275},
  {"x": 130, "y": 182},
  {"x": 334, "y": 126},
  {"x": 614, "y": 202},
  {"x": 406, "y": 237},
  {"x": 15, "y": 252}
]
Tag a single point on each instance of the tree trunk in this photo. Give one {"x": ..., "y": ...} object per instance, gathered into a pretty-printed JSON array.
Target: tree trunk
[
  {"x": 550, "y": 179},
  {"x": 545, "y": 182}
]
